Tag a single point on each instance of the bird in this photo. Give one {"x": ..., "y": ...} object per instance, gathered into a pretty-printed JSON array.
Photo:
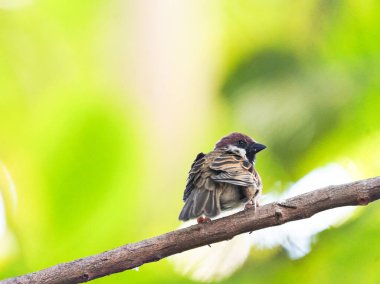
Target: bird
[{"x": 223, "y": 179}]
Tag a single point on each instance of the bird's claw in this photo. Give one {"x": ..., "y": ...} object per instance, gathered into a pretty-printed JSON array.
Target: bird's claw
[
  {"x": 251, "y": 204},
  {"x": 203, "y": 220}
]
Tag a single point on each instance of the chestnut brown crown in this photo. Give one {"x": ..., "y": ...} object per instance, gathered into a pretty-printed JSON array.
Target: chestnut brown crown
[
  {"x": 242, "y": 141},
  {"x": 236, "y": 139}
]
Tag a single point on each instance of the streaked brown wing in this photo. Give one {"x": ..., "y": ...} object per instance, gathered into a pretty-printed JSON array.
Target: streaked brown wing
[
  {"x": 193, "y": 173},
  {"x": 201, "y": 202},
  {"x": 233, "y": 169},
  {"x": 201, "y": 194},
  {"x": 203, "y": 189}
]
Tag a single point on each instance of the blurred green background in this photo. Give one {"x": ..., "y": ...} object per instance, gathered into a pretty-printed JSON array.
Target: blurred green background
[{"x": 105, "y": 104}]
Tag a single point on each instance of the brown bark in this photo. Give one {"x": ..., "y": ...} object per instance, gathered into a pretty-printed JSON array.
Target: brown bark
[{"x": 136, "y": 254}]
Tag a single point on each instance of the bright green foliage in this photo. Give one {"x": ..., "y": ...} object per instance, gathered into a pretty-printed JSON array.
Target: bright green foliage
[{"x": 94, "y": 168}]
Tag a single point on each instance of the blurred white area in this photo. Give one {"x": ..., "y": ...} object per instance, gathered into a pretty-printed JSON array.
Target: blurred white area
[
  {"x": 7, "y": 186},
  {"x": 14, "y": 4},
  {"x": 172, "y": 67},
  {"x": 3, "y": 223},
  {"x": 297, "y": 237},
  {"x": 8, "y": 243},
  {"x": 215, "y": 262},
  {"x": 222, "y": 259},
  {"x": 170, "y": 56}
]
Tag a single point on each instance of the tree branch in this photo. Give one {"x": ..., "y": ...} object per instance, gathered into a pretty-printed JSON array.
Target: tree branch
[{"x": 136, "y": 254}]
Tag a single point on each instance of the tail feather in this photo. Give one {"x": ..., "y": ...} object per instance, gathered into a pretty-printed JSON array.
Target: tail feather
[
  {"x": 187, "y": 208},
  {"x": 201, "y": 202}
]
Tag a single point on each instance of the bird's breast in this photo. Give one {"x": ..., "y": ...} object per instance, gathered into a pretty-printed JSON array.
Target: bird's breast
[{"x": 232, "y": 196}]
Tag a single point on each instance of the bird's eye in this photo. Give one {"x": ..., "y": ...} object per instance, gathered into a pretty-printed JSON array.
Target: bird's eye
[{"x": 241, "y": 143}]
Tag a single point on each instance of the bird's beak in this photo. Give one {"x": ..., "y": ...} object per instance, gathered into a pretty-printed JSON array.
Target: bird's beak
[{"x": 257, "y": 147}]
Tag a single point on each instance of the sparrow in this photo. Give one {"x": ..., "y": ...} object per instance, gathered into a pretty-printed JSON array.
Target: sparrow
[{"x": 223, "y": 179}]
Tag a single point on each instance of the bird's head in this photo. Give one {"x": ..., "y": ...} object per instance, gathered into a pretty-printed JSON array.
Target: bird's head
[{"x": 241, "y": 144}]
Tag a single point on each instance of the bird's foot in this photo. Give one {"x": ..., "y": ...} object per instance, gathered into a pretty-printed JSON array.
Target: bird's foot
[
  {"x": 251, "y": 204},
  {"x": 203, "y": 220},
  {"x": 248, "y": 205}
]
